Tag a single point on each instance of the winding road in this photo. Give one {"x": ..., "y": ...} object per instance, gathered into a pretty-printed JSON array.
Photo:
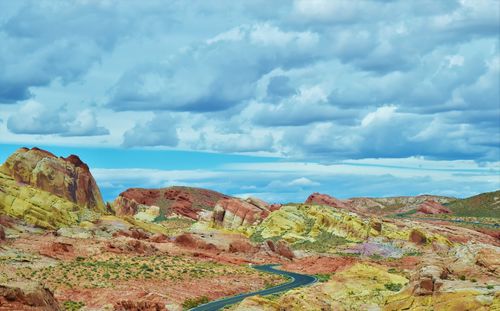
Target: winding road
[{"x": 297, "y": 281}]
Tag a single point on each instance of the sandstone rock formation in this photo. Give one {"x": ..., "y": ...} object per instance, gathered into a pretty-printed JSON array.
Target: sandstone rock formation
[
  {"x": 184, "y": 201},
  {"x": 325, "y": 199},
  {"x": 432, "y": 207},
  {"x": 232, "y": 213},
  {"x": 68, "y": 178},
  {"x": 37, "y": 207}
]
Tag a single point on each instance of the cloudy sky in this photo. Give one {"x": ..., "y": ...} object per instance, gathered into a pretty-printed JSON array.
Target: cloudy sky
[{"x": 275, "y": 99}]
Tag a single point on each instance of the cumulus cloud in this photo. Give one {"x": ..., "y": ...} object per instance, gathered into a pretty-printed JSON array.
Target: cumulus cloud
[
  {"x": 38, "y": 119},
  {"x": 215, "y": 75},
  {"x": 160, "y": 131},
  {"x": 315, "y": 79}
]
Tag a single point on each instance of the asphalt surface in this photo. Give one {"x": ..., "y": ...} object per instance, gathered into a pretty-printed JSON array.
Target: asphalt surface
[{"x": 297, "y": 281}]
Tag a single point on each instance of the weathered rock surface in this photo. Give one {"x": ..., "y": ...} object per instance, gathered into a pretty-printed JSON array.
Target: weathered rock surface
[
  {"x": 35, "y": 206},
  {"x": 68, "y": 178},
  {"x": 232, "y": 213},
  {"x": 23, "y": 295},
  {"x": 184, "y": 201},
  {"x": 432, "y": 207}
]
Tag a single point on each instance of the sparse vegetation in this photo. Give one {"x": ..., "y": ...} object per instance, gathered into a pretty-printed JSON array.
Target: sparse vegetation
[
  {"x": 323, "y": 277},
  {"x": 194, "y": 302},
  {"x": 71, "y": 305}
]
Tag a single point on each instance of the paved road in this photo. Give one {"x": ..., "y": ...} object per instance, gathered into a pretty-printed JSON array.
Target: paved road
[{"x": 297, "y": 281}]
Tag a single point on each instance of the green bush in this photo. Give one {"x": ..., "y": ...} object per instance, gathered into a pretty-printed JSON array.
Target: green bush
[
  {"x": 323, "y": 277},
  {"x": 395, "y": 287}
]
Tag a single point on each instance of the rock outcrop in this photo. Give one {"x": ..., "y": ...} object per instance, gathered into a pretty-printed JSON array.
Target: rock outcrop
[
  {"x": 232, "y": 213},
  {"x": 35, "y": 206},
  {"x": 432, "y": 207},
  {"x": 184, "y": 201},
  {"x": 324, "y": 199},
  {"x": 67, "y": 178},
  {"x": 26, "y": 296}
]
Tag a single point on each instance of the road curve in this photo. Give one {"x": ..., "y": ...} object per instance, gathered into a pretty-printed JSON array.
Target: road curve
[{"x": 297, "y": 281}]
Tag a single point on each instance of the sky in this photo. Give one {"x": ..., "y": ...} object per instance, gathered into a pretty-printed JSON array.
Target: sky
[{"x": 274, "y": 99}]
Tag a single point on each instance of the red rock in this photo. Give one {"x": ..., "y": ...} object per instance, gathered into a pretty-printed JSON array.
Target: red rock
[
  {"x": 417, "y": 237},
  {"x": 27, "y": 296},
  {"x": 274, "y": 207},
  {"x": 132, "y": 233},
  {"x": 232, "y": 213},
  {"x": 2, "y": 234},
  {"x": 190, "y": 241},
  {"x": 432, "y": 207},
  {"x": 325, "y": 199},
  {"x": 280, "y": 248},
  {"x": 185, "y": 201},
  {"x": 159, "y": 238},
  {"x": 242, "y": 246},
  {"x": 68, "y": 178}
]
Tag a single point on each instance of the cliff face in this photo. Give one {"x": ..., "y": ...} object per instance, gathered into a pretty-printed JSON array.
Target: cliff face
[{"x": 68, "y": 178}]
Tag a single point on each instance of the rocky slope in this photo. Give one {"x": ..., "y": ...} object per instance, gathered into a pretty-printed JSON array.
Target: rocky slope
[
  {"x": 383, "y": 206},
  {"x": 481, "y": 205},
  {"x": 150, "y": 204}
]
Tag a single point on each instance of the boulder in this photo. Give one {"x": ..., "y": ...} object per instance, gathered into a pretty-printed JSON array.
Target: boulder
[
  {"x": 417, "y": 237},
  {"x": 23, "y": 295},
  {"x": 324, "y": 199},
  {"x": 242, "y": 246},
  {"x": 68, "y": 178},
  {"x": 280, "y": 248}
]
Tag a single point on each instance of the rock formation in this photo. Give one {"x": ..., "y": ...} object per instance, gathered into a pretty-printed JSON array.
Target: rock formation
[
  {"x": 26, "y": 296},
  {"x": 232, "y": 213},
  {"x": 432, "y": 207},
  {"x": 184, "y": 201},
  {"x": 324, "y": 199},
  {"x": 68, "y": 178}
]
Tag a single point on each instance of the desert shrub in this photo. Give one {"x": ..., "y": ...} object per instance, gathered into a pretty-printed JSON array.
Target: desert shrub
[
  {"x": 194, "y": 302},
  {"x": 395, "y": 287},
  {"x": 323, "y": 277},
  {"x": 71, "y": 305}
]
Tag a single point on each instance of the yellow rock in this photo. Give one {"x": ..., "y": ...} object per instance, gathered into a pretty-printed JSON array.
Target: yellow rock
[
  {"x": 458, "y": 300},
  {"x": 360, "y": 287},
  {"x": 37, "y": 207},
  {"x": 257, "y": 303}
]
